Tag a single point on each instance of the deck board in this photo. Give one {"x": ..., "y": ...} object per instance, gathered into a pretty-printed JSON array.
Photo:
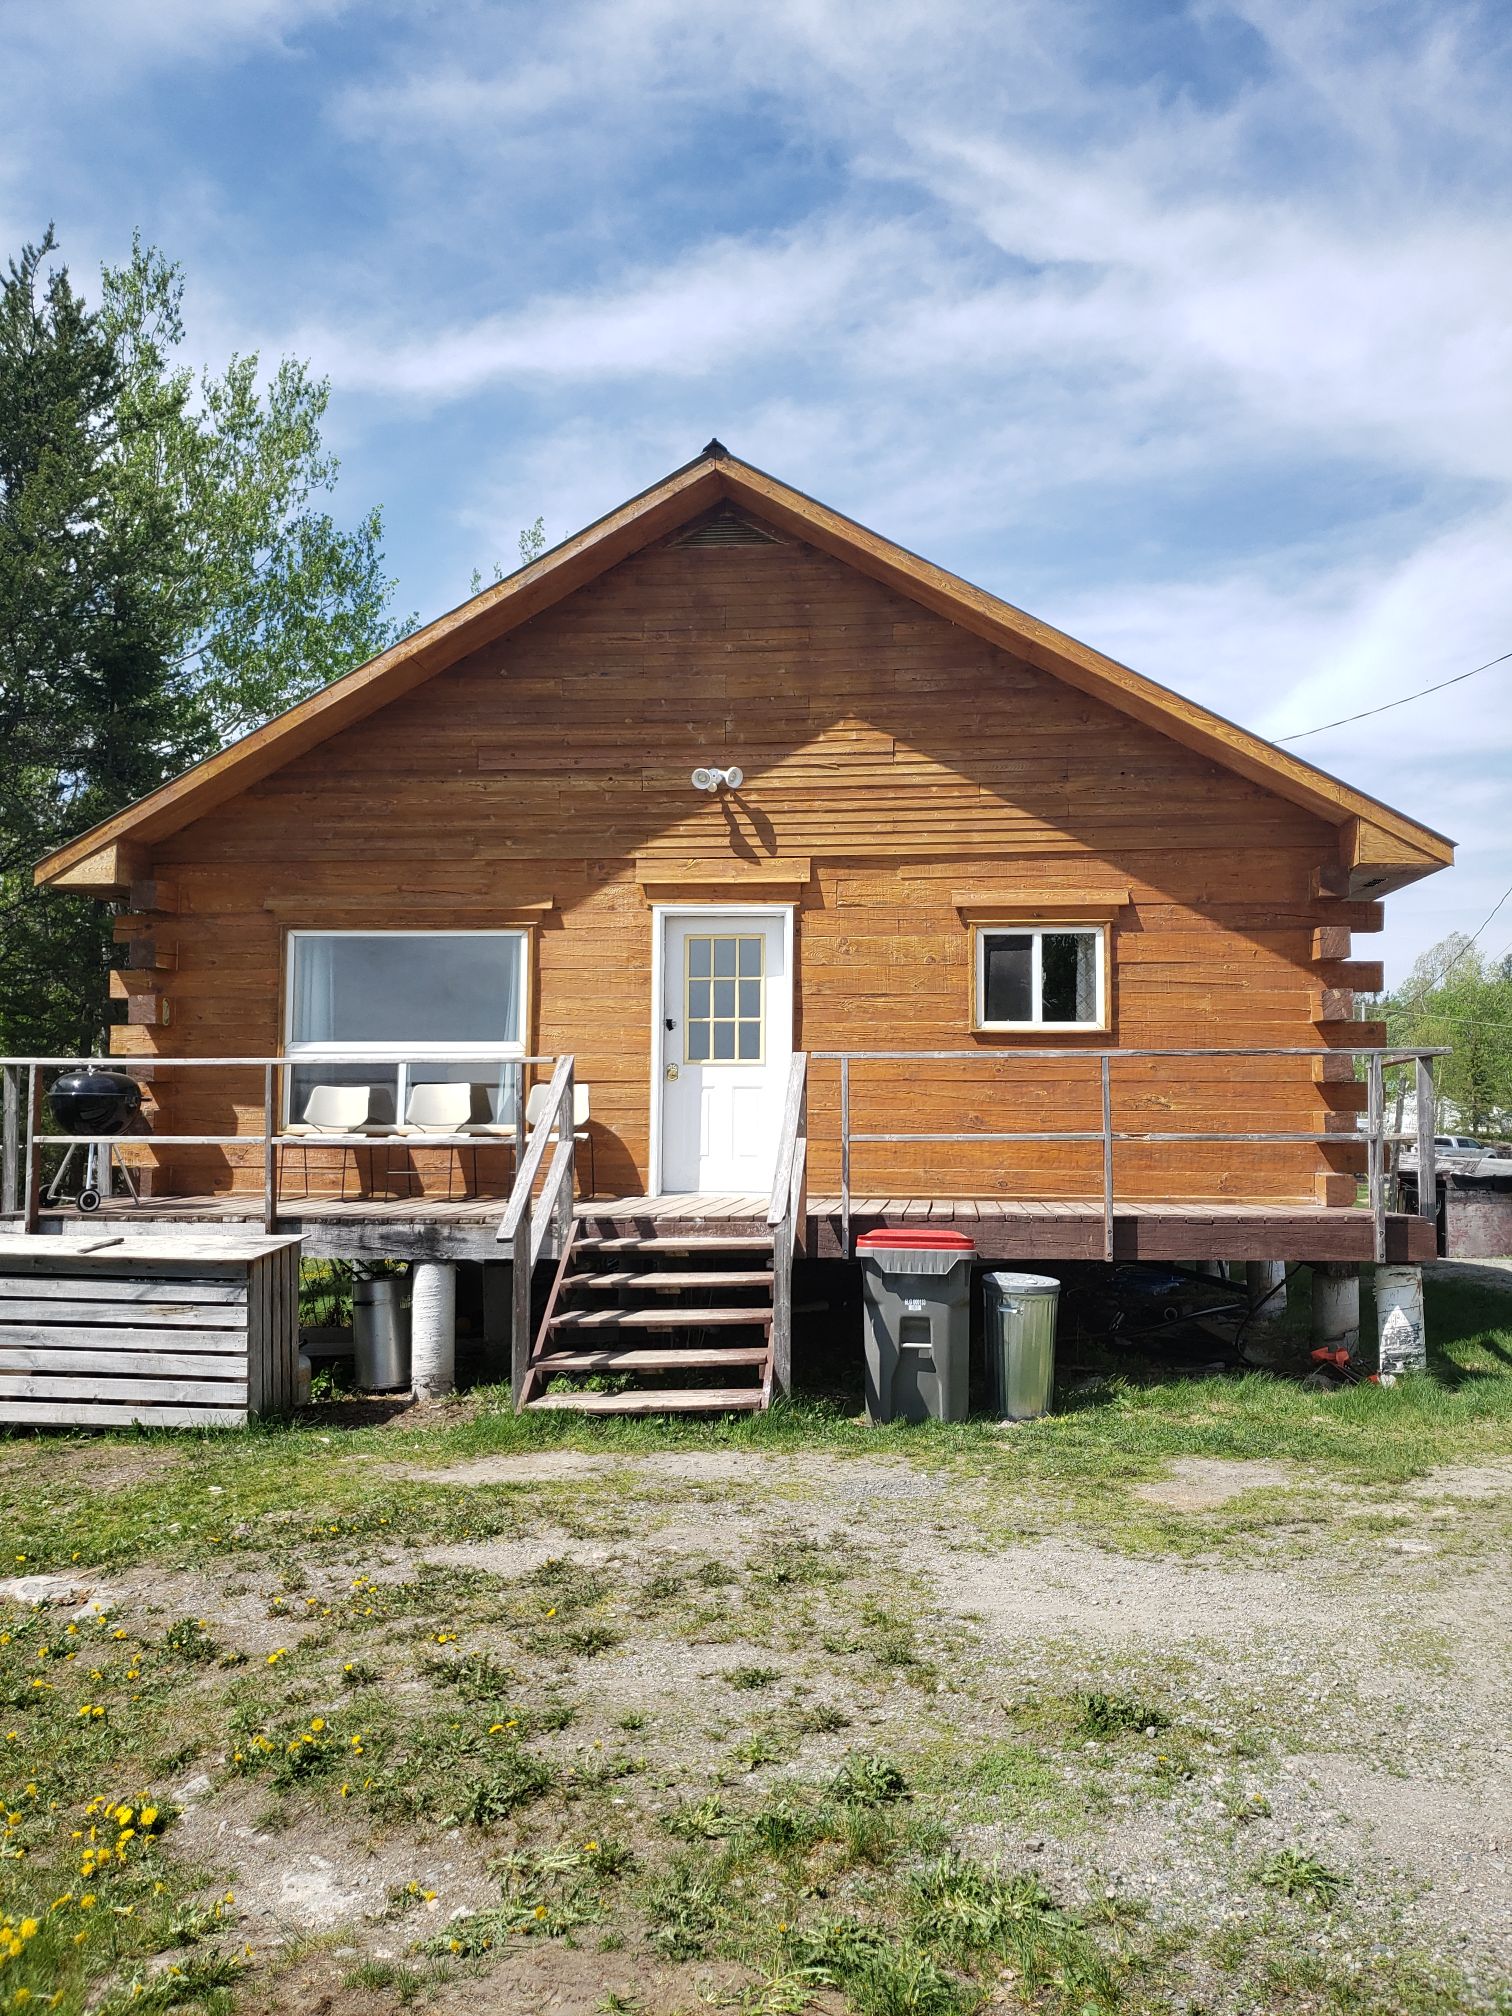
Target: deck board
[{"x": 1007, "y": 1228}]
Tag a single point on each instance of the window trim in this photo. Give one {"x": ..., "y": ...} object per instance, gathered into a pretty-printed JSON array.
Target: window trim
[
  {"x": 402, "y": 1055},
  {"x": 1036, "y": 927}
]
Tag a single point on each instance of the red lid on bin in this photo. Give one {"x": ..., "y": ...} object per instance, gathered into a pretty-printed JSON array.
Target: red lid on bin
[{"x": 915, "y": 1239}]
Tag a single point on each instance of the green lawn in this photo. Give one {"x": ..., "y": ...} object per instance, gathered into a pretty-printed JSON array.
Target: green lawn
[{"x": 349, "y": 1656}]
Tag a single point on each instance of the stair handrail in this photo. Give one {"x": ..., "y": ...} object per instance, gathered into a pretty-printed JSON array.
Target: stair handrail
[
  {"x": 786, "y": 1214},
  {"x": 528, "y": 1219}
]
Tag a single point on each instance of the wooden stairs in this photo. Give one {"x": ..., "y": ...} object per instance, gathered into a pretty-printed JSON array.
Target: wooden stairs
[{"x": 679, "y": 1324}]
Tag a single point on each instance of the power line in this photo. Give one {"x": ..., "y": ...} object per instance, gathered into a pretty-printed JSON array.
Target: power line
[
  {"x": 1437, "y": 979},
  {"x": 1386, "y": 707}
]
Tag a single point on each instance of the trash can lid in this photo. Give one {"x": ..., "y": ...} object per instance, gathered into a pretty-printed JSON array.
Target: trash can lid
[
  {"x": 1023, "y": 1284},
  {"x": 907, "y": 1239}
]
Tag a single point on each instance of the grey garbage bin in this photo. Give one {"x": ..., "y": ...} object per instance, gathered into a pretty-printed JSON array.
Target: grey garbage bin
[
  {"x": 380, "y": 1335},
  {"x": 917, "y": 1290},
  {"x": 1019, "y": 1325}
]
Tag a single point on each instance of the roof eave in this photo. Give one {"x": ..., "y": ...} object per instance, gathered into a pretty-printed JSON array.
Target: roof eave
[{"x": 1403, "y": 849}]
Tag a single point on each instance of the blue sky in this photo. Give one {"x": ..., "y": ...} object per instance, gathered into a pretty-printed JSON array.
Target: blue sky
[{"x": 1187, "y": 327}]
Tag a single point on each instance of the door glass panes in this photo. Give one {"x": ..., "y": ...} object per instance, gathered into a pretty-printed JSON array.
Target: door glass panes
[
  {"x": 1069, "y": 987},
  {"x": 723, "y": 979}
]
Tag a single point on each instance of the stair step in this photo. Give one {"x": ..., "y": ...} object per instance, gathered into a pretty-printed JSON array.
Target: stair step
[
  {"x": 609, "y": 1359},
  {"x": 655, "y": 1319},
  {"x": 626, "y": 1279},
  {"x": 734, "y": 1242},
  {"x": 673, "y": 1400}
]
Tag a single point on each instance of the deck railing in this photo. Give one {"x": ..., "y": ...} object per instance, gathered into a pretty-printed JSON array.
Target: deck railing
[
  {"x": 1375, "y": 1136},
  {"x": 528, "y": 1219},
  {"x": 22, "y": 1137},
  {"x": 787, "y": 1215}
]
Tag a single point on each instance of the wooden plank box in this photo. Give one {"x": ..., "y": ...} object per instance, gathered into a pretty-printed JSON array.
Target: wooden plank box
[{"x": 186, "y": 1332}]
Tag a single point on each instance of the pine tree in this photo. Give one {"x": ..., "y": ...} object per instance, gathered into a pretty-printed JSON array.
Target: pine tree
[
  {"x": 167, "y": 581},
  {"x": 76, "y": 669}
]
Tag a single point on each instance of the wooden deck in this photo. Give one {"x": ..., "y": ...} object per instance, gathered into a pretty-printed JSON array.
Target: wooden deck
[{"x": 1004, "y": 1229}]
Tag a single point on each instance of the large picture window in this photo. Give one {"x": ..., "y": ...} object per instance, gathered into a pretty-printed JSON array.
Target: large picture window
[
  {"x": 1041, "y": 977},
  {"x": 375, "y": 998}
]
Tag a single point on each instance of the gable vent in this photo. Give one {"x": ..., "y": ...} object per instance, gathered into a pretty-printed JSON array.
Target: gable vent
[{"x": 726, "y": 528}]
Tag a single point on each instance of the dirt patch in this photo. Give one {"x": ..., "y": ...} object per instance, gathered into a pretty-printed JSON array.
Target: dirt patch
[
  {"x": 1463, "y": 1480},
  {"x": 1203, "y": 1483},
  {"x": 549, "y": 1466},
  {"x": 845, "y": 1477},
  {"x": 311, "y": 1876},
  {"x": 98, "y": 1467},
  {"x": 543, "y": 1978},
  {"x": 1457, "y": 1839}
]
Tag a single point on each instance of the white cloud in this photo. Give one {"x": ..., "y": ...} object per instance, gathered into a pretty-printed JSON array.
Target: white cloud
[
  {"x": 732, "y": 302},
  {"x": 1190, "y": 330}
]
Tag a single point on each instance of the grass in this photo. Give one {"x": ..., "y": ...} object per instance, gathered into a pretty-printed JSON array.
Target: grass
[
  {"x": 1292, "y": 1874},
  {"x": 829, "y": 1838},
  {"x": 279, "y": 1492}
]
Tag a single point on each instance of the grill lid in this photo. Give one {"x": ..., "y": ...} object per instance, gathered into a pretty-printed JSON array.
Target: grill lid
[{"x": 94, "y": 1101}]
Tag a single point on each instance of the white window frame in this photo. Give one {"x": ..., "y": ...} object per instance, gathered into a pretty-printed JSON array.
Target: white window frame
[
  {"x": 1036, "y": 931},
  {"x": 402, "y": 1055}
]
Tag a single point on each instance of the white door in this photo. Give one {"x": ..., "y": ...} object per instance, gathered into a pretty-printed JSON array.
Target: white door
[{"x": 726, "y": 1043}]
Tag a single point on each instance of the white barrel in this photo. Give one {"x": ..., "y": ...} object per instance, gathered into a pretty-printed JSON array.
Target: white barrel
[
  {"x": 1399, "y": 1321},
  {"x": 1265, "y": 1286},
  {"x": 433, "y": 1330},
  {"x": 1336, "y": 1306}
]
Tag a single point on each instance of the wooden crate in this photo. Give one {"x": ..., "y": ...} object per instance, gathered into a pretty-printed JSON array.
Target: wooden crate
[{"x": 180, "y": 1332}]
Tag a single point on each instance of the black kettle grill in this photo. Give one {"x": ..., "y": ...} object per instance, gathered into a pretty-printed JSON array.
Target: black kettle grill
[{"x": 93, "y": 1101}]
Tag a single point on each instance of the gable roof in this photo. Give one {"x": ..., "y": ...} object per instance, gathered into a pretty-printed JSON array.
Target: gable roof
[{"x": 1379, "y": 848}]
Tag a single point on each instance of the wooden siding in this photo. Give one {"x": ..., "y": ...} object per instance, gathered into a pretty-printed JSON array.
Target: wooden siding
[
  {"x": 903, "y": 757},
  {"x": 178, "y": 1332}
]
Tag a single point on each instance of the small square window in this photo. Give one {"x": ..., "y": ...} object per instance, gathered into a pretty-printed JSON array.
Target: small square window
[{"x": 1041, "y": 977}]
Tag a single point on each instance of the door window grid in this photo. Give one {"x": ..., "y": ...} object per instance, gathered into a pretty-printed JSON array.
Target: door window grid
[{"x": 723, "y": 985}]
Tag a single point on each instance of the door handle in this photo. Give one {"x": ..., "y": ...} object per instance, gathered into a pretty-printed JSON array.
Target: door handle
[
  {"x": 671, "y": 1071},
  {"x": 671, "y": 1024}
]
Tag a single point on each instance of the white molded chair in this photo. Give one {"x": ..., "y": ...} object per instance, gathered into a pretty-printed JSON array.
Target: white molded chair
[
  {"x": 446, "y": 1109},
  {"x": 333, "y": 1109},
  {"x": 438, "y": 1109},
  {"x": 536, "y": 1100}
]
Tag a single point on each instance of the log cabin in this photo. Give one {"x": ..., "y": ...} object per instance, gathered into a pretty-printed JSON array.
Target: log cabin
[{"x": 726, "y": 882}]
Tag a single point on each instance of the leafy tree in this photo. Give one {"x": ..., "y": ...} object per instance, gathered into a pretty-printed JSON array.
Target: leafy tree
[
  {"x": 271, "y": 599},
  {"x": 532, "y": 546},
  {"x": 168, "y": 578},
  {"x": 1458, "y": 998}
]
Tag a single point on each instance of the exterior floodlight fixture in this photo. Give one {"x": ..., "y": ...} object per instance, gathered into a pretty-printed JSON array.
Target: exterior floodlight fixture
[{"x": 718, "y": 780}]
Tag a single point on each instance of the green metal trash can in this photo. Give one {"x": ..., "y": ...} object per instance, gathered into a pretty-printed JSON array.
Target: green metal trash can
[
  {"x": 1019, "y": 1323},
  {"x": 917, "y": 1290}
]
